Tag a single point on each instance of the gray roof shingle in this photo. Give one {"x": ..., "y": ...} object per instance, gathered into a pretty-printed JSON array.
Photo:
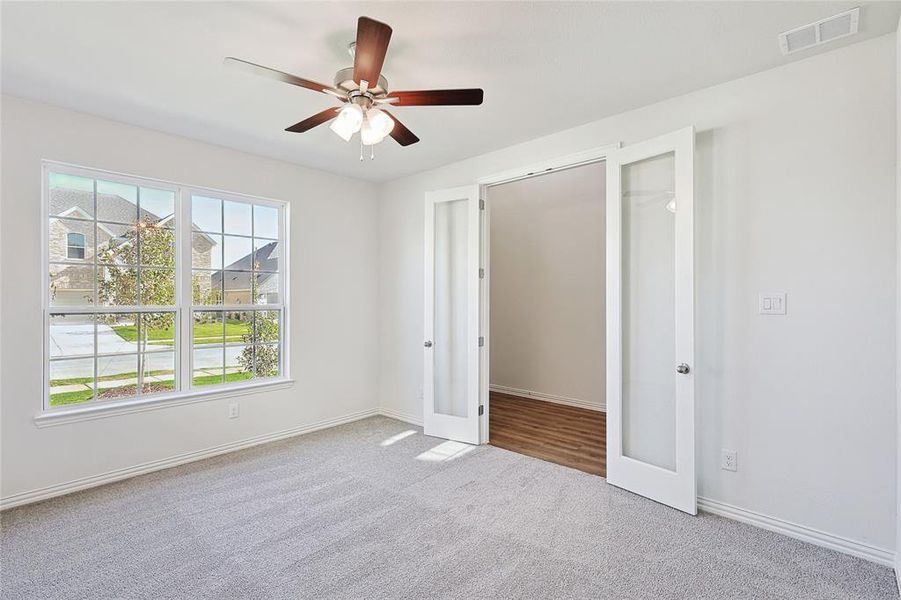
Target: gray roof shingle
[
  {"x": 266, "y": 259},
  {"x": 114, "y": 208}
]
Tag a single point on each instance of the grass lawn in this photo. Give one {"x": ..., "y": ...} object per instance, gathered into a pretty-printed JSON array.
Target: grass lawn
[
  {"x": 204, "y": 333},
  {"x": 214, "y": 379},
  {"x": 129, "y": 333},
  {"x": 70, "y": 397}
]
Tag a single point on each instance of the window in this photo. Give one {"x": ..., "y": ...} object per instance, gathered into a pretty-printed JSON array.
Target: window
[
  {"x": 75, "y": 245},
  {"x": 160, "y": 290}
]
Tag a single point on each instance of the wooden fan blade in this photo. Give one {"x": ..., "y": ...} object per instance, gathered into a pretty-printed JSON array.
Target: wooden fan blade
[
  {"x": 311, "y": 122},
  {"x": 369, "y": 53},
  {"x": 280, "y": 76},
  {"x": 467, "y": 97},
  {"x": 400, "y": 133}
]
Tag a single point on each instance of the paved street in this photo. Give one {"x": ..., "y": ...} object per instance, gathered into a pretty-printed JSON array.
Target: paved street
[{"x": 76, "y": 339}]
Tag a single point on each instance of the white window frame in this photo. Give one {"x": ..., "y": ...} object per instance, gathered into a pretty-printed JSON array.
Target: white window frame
[{"x": 184, "y": 309}]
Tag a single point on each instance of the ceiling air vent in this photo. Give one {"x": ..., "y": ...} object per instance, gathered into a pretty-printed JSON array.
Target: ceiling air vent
[{"x": 824, "y": 30}]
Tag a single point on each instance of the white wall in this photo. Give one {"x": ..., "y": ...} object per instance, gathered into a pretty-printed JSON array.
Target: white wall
[
  {"x": 547, "y": 285},
  {"x": 795, "y": 193},
  {"x": 334, "y": 250}
]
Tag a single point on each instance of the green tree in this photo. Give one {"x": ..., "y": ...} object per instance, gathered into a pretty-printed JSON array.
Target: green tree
[
  {"x": 201, "y": 295},
  {"x": 145, "y": 243},
  {"x": 257, "y": 357}
]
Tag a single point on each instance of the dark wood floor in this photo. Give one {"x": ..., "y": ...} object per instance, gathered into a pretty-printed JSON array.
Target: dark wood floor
[{"x": 574, "y": 437}]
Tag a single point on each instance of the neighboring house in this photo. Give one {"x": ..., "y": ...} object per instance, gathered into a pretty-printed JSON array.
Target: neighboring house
[
  {"x": 72, "y": 241},
  {"x": 251, "y": 276}
]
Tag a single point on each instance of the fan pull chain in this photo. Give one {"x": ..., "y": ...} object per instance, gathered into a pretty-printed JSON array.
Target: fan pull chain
[
  {"x": 372, "y": 152},
  {"x": 361, "y": 150}
]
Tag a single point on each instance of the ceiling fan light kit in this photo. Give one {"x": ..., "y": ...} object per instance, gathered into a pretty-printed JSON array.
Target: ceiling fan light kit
[
  {"x": 348, "y": 121},
  {"x": 376, "y": 126},
  {"x": 362, "y": 89}
]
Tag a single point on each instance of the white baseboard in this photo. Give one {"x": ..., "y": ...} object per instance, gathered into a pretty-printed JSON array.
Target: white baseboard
[
  {"x": 401, "y": 416},
  {"x": 503, "y": 389},
  {"x": 800, "y": 532},
  {"x": 173, "y": 461}
]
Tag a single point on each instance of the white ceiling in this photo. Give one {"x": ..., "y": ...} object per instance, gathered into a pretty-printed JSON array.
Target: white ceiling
[{"x": 544, "y": 66}]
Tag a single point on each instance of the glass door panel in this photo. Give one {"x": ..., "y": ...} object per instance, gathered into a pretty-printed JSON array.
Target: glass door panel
[
  {"x": 451, "y": 283},
  {"x": 648, "y": 306}
]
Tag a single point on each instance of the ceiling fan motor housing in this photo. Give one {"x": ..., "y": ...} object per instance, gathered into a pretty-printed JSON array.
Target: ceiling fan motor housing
[{"x": 344, "y": 80}]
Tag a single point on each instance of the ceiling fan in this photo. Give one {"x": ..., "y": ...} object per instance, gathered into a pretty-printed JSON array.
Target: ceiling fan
[{"x": 363, "y": 92}]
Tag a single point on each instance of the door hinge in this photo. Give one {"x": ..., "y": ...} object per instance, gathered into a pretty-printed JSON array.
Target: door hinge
[
  {"x": 481, "y": 409},
  {"x": 481, "y": 273},
  {"x": 481, "y": 204},
  {"x": 481, "y": 341}
]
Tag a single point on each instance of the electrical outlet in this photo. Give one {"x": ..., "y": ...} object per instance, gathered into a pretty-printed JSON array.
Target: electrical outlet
[
  {"x": 730, "y": 460},
  {"x": 234, "y": 410}
]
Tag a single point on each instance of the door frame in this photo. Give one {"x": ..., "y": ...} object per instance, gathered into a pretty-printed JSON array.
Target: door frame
[{"x": 560, "y": 163}]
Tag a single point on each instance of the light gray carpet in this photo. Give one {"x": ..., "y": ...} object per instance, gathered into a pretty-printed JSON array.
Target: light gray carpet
[{"x": 344, "y": 513}]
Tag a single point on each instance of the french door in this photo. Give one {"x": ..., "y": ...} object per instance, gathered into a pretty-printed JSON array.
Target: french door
[
  {"x": 650, "y": 319},
  {"x": 451, "y": 345}
]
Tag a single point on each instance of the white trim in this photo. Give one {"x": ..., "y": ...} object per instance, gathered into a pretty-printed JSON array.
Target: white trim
[
  {"x": 897, "y": 562},
  {"x": 66, "y": 214},
  {"x": 89, "y": 412},
  {"x": 485, "y": 314},
  {"x": 576, "y": 402},
  {"x": 84, "y": 483},
  {"x": 184, "y": 289},
  {"x": 400, "y": 415},
  {"x": 284, "y": 280},
  {"x": 554, "y": 164},
  {"x": 810, "y": 535}
]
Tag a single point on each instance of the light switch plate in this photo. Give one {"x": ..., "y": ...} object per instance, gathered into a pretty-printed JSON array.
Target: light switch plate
[{"x": 771, "y": 303}]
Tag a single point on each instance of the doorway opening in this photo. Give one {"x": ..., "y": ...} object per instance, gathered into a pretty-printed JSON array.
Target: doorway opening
[{"x": 547, "y": 289}]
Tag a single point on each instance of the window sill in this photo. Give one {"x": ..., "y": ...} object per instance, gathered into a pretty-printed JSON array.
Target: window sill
[{"x": 101, "y": 411}]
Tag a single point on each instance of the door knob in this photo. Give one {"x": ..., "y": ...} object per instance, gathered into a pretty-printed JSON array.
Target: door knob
[
  {"x": 683, "y": 369},
  {"x": 428, "y": 344}
]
